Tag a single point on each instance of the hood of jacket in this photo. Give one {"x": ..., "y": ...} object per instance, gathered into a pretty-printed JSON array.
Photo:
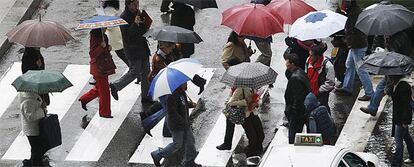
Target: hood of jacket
[{"x": 311, "y": 102}]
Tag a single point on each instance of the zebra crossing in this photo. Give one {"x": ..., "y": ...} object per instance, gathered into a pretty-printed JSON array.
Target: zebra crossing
[{"x": 99, "y": 133}]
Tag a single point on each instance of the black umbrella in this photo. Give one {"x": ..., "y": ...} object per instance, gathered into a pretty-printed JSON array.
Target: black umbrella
[
  {"x": 384, "y": 19},
  {"x": 173, "y": 34},
  {"x": 388, "y": 63},
  {"x": 201, "y": 4}
]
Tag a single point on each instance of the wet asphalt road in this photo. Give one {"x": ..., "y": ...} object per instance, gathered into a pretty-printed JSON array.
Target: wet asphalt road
[{"x": 70, "y": 12}]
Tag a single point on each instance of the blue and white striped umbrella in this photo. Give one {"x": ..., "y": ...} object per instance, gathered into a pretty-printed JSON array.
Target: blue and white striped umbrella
[{"x": 172, "y": 76}]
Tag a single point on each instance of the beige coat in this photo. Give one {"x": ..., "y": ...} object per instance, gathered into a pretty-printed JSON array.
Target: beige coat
[
  {"x": 31, "y": 112},
  {"x": 237, "y": 98},
  {"x": 231, "y": 51},
  {"x": 114, "y": 33}
]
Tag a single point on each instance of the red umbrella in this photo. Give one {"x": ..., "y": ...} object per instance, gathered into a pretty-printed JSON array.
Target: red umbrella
[
  {"x": 252, "y": 20},
  {"x": 289, "y": 10}
]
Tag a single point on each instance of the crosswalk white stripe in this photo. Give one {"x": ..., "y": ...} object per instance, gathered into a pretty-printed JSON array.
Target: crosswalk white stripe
[
  {"x": 216, "y": 137},
  {"x": 100, "y": 131},
  {"x": 7, "y": 90},
  {"x": 59, "y": 104},
  {"x": 148, "y": 143},
  {"x": 209, "y": 155}
]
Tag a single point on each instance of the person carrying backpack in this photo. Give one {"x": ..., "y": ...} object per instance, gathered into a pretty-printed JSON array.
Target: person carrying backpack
[
  {"x": 321, "y": 73},
  {"x": 319, "y": 119}
]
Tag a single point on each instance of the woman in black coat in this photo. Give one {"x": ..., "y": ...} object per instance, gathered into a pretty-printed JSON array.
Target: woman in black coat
[
  {"x": 33, "y": 60},
  {"x": 183, "y": 16}
]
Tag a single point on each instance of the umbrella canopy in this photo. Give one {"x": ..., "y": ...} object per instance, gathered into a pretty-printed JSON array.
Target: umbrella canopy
[
  {"x": 252, "y": 75},
  {"x": 290, "y": 10},
  {"x": 201, "y": 4},
  {"x": 172, "y": 76},
  {"x": 173, "y": 34},
  {"x": 41, "y": 82},
  {"x": 384, "y": 19},
  {"x": 252, "y": 20},
  {"x": 101, "y": 22},
  {"x": 318, "y": 24},
  {"x": 39, "y": 33},
  {"x": 388, "y": 63}
]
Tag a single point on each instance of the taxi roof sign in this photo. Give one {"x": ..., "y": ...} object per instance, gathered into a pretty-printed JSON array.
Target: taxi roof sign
[{"x": 308, "y": 139}]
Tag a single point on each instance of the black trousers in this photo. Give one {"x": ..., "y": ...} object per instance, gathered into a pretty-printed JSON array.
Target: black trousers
[
  {"x": 38, "y": 149},
  {"x": 295, "y": 126},
  {"x": 228, "y": 137},
  {"x": 323, "y": 98},
  {"x": 254, "y": 130},
  {"x": 121, "y": 54}
]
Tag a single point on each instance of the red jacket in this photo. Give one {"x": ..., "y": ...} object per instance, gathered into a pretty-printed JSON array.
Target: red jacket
[
  {"x": 96, "y": 50},
  {"x": 313, "y": 74}
]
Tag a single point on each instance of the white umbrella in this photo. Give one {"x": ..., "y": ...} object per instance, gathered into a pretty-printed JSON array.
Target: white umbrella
[{"x": 318, "y": 24}]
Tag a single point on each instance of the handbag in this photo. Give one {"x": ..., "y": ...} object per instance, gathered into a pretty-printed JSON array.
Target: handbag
[
  {"x": 235, "y": 114},
  {"x": 49, "y": 128},
  {"x": 105, "y": 64}
]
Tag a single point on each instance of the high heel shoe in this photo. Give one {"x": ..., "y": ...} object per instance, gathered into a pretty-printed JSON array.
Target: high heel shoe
[{"x": 83, "y": 104}]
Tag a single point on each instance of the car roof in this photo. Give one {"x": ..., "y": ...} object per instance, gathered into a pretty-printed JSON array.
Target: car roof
[{"x": 300, "y": 156}]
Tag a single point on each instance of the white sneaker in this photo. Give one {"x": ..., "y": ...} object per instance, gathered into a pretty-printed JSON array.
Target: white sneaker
[{"x": 408, "y": 160}]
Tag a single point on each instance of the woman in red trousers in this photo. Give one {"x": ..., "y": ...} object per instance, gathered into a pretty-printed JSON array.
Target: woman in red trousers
[{"x": 98, "y": 48}]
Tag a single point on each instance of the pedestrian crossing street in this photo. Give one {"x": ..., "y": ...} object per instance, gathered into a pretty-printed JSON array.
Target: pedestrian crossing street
[{"x": 94, "y": 140}]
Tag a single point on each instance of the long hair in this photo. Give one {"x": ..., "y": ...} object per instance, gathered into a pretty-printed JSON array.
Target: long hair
[
  {"x": 96, "y": 33},
  {"x": 233, "y": 37},
  {"x": 111, "y": 3}
]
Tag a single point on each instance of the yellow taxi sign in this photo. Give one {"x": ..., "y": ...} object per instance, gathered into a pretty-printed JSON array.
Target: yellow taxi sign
[{"x": 312, "y": 139}]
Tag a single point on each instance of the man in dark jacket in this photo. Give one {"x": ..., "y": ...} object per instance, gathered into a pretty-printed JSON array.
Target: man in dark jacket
[
  {"x": 400, "y": 92},
  {"x": 358, "y": 43},
  {"x": 183, "y": 16},
  {"x": 136, "y": 49},
  {"x": 297, "y": 88},
  {"x": 179, "y": 124},
  {"x": 301, "y": 49},
  {"x": 400, "y": 43}
]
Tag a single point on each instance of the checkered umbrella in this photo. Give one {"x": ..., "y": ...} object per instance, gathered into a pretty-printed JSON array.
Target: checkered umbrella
[{"x": 252, "y": 75}]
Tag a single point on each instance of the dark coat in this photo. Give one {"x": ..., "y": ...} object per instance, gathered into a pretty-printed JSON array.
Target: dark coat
[
  {"x": 183, "y": 16},
  {"x": 95, "y": 52},
  {"x": 134, "y": 42},
  {"x": 401, "y": 43},
  {"x": 294, "y": 47},
  {"x": 319, "y": 119},
  {"x": 401, "y": 98},
  {"x": 354, "y": 37},
  {"x": 30, "y": 56},
  {"x": 297, "y": 88},
  {"x": 177, "y": 111}
]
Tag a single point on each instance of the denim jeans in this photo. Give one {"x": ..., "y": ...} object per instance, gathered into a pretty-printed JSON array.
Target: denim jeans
[
  {"x": 402, "y": 134},
  {"x": 165, "y": 129},
  {"x": 355, "y": 57},
  {"x": 377, "y": 97},
  {"x": 181, "y": 138}
]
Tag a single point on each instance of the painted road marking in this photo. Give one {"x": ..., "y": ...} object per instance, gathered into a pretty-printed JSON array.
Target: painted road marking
[
  {"x": 148, "y": 143},
  {"x": 7, "y": 90},
  {"x": 100, "y": 131},
  {"x": 59, "y": 104}
]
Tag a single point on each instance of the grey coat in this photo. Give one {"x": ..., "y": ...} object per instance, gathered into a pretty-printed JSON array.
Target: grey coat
[{"x": 31, "y": 112}]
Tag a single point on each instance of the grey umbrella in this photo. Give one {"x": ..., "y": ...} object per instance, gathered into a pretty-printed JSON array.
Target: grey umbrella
[
  {"x": 384, "y": 19},
  {"x": 252, "y": 75},
  {"x": 388, "y": 63},
  {"x": 173, "y": 34},
  {"x": 201, "y": 4}
]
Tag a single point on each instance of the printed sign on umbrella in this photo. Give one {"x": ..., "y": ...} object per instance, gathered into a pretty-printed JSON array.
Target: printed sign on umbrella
[
  {"x": 252, "y": 20},
  {"x": 318, "y": 24},
  {"x": 101, "y": 22}
]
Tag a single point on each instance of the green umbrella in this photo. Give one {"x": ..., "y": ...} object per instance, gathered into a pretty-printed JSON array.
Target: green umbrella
[{"x": 41, "y": 82}]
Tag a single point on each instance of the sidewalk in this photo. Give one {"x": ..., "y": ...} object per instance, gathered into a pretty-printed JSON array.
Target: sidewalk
[{"x": 13, "y": 12}]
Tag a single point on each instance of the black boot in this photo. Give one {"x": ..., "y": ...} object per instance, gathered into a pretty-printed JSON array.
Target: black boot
[{"x": 200, "y": 82}]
